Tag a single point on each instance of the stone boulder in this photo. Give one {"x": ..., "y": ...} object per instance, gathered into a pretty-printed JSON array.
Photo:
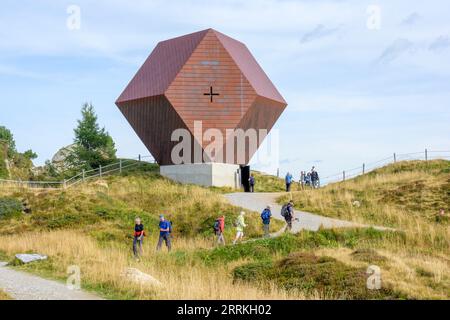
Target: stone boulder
[
  {"x": 30, "y": 257},
  {"x": 140, "y": 277}
]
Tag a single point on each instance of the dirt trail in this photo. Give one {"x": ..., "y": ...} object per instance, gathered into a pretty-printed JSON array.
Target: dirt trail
[
  {"x": 306, "y": 221},
  {"x": 23, "y": 286}
]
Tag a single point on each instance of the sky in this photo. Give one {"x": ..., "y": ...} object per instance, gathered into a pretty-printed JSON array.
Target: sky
[{"x": 362, "y": 79}]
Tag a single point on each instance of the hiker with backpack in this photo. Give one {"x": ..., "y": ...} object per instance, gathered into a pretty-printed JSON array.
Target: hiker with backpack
[
  {"x": 138, "y": 238},
  {"x": 240, "y": 225},
  {"x": 308, "y": 179},
  {"x": 165, "y": 229},
  {"x": 265, "y": 216},
  {"x": 287, "y": 211},
  {"x": 314, "y": 178},
  {"x": 219, "y": 226},
  {"x": 288, "y": 180},
  {"x": 251, "y": 181}
]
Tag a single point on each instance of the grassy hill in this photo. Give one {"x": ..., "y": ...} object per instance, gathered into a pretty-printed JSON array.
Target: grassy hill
[
  {"x": 406, "y": 196},
  {"x": 91, "y": 225}
]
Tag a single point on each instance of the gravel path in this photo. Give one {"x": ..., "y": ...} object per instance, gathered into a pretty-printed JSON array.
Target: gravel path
[
  {"x": 306, "y": 221},
  {"x": 23, "y": 286}
]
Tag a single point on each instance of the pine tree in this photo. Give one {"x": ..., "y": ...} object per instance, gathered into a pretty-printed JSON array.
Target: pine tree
[
  {"x": 6, "y": 137},
  {"x": 93, "y": 145}
]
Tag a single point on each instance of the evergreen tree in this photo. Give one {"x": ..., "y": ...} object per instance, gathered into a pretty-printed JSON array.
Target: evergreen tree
[
  {"x": 7, "y": 138},
  {"x": 93, "y": 145}
]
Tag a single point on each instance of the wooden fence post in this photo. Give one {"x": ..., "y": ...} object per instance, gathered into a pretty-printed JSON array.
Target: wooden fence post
[
  {"x": 364, "y": 168},
  {"x": 120, "y": 165},
  {"x": 426, "y": 155},
  {"x": 84, "y": 175},
  {"x": 100, "y": 168},
  {"x": 395, "y": 158},
  {"x": 343, "y": 175},
  {"x": 64, "y": 184}
]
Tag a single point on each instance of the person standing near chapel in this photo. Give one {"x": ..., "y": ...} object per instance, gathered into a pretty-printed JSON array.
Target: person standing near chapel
[
  {"x": 251, "y": 181},
  {"x": 288, "y": 180},
  {"x": 302, "y": 179},
  {"x": 164, "y": 233}
]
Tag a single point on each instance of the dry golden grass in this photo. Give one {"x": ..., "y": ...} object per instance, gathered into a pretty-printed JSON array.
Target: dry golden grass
[
  {"x": 4, "y": 296},
  {"x": 89, "y": 226},
  {"x": 102, "y": 269},
  {"x": 406, "y": 196},
  {"x": 416, "y": 276}
]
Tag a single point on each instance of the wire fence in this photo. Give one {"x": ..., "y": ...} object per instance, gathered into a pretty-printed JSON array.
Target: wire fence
[
  {"x": 425, "y": 155},
  {"x": 122, "y": 165},
  {"x": 82, "y": 176}
]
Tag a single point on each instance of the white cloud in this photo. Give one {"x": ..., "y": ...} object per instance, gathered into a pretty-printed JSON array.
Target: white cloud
[
  {"x": 439, "y": 44},
  {"x": 395, "y": 50},
  {"x": 411, "y": 19},
  {"x": 320, "y": 31}
]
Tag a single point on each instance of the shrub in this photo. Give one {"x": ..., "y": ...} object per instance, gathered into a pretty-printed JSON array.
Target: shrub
[
  {"x": 309, "y": 273},
  {"x": 9, "y": 207}
]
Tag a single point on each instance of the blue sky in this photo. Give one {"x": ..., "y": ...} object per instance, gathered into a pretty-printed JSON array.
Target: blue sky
[{"x": 355, "y": 93}]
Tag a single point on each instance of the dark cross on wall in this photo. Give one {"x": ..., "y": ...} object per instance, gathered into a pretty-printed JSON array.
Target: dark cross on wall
[{"x": 211, "y": 93}]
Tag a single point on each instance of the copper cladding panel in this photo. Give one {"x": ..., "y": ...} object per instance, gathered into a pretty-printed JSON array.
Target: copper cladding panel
[{"x": 168, "y": 92}]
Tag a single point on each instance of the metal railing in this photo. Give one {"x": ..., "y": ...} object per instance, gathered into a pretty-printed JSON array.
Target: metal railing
[
  {"x": 395, "y": 157},
  {"x": 83, "y": 176}
]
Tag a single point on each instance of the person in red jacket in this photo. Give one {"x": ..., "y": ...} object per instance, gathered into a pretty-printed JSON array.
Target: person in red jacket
[
  {"x": 138, "y": 238},
  {"x": 219, "y": 226}
]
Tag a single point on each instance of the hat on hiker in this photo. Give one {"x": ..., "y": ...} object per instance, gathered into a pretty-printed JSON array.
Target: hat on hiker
[{"x": 161, "y": 216}]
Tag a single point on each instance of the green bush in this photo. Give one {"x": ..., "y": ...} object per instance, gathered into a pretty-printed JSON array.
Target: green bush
[
  {"x": 265, "y": 249},
  {"x": 311, "y": 274},
  {"x": 9, "y": 207}
]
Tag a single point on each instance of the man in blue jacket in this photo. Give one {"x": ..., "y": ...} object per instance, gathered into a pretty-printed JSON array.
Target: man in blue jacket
[
  {"x": 288, "y": 180},
  {"x": 265, "y": 216},
  {"x": 164, "y": 233}
]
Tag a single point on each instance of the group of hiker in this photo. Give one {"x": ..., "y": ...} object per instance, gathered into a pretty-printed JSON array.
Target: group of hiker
[
  {"x": 287, "y": 212},
  {"x": 307, "y": 179},
  {"x": 165, "y": 228}
]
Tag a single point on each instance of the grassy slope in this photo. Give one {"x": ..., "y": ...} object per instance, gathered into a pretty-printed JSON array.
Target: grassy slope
[
  {"x": 406, "y": 196},
  {"x": 108, "y": 214},
  {"x": 91, "y": 226}
]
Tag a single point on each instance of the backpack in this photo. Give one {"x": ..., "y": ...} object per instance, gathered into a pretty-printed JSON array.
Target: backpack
[
  {"x": 216, "y": 225},
  {"x": 170, "y": 227},
  {"x": 285, "y": 211},
  {"x": 265, "y": 215}
]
